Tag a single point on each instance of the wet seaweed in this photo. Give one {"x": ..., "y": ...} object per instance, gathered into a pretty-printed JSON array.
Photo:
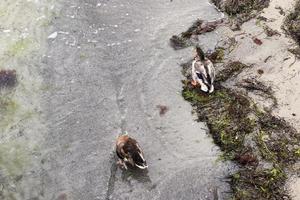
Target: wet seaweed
[
  {"x": 183, "y": 40},
  {"x": 265, "y": 184},
  {"x": 200, "y": 27},
  {"x": 177, "y": 42},
  {"x": 232, "y": 69},
  {"x": 270, "y": 32},
  {"x": 292, "y": 23},
  {"x": 217, "y": 56},
  {"x": 253, "y": 85},
  {"x": 234, "y": 7},
  {"x": 295, "y": 51},
  {"x": 247, "y": 135},
  {"x": 241, "y": 11}
]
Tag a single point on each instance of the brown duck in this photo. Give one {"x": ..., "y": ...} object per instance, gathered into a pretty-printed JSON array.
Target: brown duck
[{"x": 129, "y": 151}]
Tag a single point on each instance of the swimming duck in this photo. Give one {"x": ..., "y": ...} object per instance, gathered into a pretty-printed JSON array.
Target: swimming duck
[
  {"x": 129, "y": 151},
  {"x": 203, "y": 71}
]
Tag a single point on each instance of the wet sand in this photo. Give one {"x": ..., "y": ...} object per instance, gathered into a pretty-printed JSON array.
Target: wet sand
[{"x": 280, "y": 67}]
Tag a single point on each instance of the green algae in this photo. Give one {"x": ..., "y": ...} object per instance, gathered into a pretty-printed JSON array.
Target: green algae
[
  {"x": 13, "y": 158},
  {"x": 218, "y": 55},
  {"x": 268, "y": 184},
  {"x": 19, "y": 47},
  {"x": 8, "y": 105}
]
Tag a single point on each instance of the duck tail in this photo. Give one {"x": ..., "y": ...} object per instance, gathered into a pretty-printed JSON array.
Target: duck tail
[
  {"x": 144, "y": 166},
  {"x": 140, "y": 161}
]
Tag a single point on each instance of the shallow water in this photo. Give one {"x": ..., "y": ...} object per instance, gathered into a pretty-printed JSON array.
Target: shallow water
[
  {"x": 22, "y": 38},
  {"x": 107, "y": 65}
]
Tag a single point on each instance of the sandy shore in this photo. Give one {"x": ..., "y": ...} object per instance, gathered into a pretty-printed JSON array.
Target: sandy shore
[{"x": 278, "y": 67}]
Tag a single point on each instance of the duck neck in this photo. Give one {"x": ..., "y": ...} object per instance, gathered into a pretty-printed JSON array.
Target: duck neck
[{"x": 200, "y": 54}]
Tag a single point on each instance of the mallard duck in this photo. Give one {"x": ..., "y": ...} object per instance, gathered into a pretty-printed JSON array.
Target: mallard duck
[
  {"x": 129, "y": 151},
  {"x": 203, "y": 71}
]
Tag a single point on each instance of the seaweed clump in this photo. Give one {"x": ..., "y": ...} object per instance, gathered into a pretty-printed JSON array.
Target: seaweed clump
[
  {"x": 253, "y": 85},
  {"x": 262, "y": 144},
  {"x": 292, "y": 23},
  {"x": 241, "y": 10},
  {"x": 198, "y": 27},
  {"x": 292, "y": 27}
]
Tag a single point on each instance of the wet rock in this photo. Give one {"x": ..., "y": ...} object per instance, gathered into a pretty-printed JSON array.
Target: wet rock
[{"x": 8, "y": 78}]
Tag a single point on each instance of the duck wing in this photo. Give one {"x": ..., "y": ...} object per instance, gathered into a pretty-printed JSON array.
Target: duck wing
[
  {"x": 132, "y": 148},
  {"x": 209, "y": 71}
]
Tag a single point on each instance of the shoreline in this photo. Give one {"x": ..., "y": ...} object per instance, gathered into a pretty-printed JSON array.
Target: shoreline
[{"x": 255, "y": 46}]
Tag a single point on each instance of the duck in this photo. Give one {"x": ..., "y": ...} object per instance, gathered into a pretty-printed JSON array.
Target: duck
[
  {"x": 203, "y": 71},
  {"x": 129, "y": 152}
]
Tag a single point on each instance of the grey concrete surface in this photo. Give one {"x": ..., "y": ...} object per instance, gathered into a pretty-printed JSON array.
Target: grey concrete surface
[{"x": 107, "y": 70}]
